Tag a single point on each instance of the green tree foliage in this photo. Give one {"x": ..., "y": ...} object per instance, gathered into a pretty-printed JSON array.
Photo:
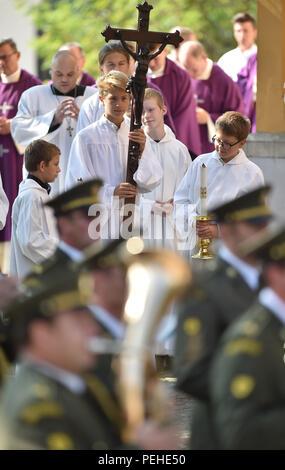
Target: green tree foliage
[{"x": 61, "y": 21}]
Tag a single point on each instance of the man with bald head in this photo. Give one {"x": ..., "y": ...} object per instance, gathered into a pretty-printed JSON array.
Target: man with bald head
[
  {"x": 187, "y": 35},
  {"x": 215, "y": 91},
  {"x": 83, "y": 78},
  {"x": 50, "y": 112}
]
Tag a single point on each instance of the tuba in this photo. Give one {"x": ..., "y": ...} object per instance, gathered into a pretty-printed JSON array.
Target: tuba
[{"x": 155, "y": 278}]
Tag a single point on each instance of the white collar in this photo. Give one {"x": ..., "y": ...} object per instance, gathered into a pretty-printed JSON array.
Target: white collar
[
  {"x": 208, "y": 70},
  {"x": 249, "y": 52},
  {"x": 113, "y": 126},
  {"x": 272, "y": 301},
  {"x": 157, "y": 73},
  {"x": 237, "y": 160},
  {"x": 70, "y": 251},
  {"x": 112, "y": 324},
  {"x": 249, "y": 273},
  {"x": 13, "y": 78},
  {"x": 71, "y": 381}
]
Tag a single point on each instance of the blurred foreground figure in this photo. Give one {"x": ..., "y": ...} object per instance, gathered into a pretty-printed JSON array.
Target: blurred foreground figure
[
  {"x": 248, "y": 380},
  {"x": 9, "y": 289},
  {"x": 57, "y": 399},
  {"x": 49, "y": 404},
  {"x": 225, "y": 289}
]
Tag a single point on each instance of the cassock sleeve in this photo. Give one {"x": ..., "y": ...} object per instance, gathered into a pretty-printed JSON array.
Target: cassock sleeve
[
  {"x": 149, "y": 173},
  {"x": 4, "y": 206},
  {"x": 34, "y": 241},
  {"x": 90, "y": 111},
  {"x": 80, "y": 166},
  {"x": 85, "y": 115},
  {"x": 28, "y": 124},
  {"x": 254, "y": 177},
  {"x": 80, "y": 162}
]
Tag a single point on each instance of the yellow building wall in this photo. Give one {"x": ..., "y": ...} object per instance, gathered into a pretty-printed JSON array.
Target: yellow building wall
[{"x": 271, "y": 66}]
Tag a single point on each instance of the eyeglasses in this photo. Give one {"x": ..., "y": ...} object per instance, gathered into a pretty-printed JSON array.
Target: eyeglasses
[
  {"x": 6, "y": 57},
  {"x": 224, "y": 145}
]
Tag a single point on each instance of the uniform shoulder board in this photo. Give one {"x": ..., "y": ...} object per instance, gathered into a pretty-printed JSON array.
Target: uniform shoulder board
[
  {"x": 44, "y": 409},
  {"x": 253, "y": 323}
]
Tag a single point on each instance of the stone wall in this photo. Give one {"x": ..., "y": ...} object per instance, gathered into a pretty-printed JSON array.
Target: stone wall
[{"x": 268, "y": 152}]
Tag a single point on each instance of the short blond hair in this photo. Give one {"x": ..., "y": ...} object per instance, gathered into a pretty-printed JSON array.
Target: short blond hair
[
  {"x": 151, "y": 93},
  {"x": 234, "y": 124},
  {"x": 110, "y": 80}
]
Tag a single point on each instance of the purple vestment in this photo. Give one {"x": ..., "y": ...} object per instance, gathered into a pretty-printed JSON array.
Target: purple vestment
[
  {"x": 246, "y": 79},
  {"x": 11, "y": 162},
  {"x": 176, "y": 87},
  {"x": 87, "y": 79},
  {"x": 216, "y": 95}
]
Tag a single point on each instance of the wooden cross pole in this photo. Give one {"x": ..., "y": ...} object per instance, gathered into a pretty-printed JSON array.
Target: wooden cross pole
[{"x": 137, "y": 83}]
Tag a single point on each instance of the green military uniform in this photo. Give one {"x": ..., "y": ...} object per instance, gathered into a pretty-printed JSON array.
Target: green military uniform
[
  {"x": 248, "y": 383},
  {"x": 43, "y": 274},
  {"x": 37, "y": 409},
  {"x": 218, "y": 296},
  {"x": 40, "y": 412},
  {"x": 203, "y": 317}
]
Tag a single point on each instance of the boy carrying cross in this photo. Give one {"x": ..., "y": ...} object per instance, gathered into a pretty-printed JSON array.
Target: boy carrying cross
[{"x": 101, "y": 149}]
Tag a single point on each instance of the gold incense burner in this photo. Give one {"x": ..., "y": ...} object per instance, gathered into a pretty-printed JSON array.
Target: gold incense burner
[{"x": 203, "y": 243}]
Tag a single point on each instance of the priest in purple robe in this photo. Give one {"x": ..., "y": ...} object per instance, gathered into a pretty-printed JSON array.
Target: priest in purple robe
[
  {"x": 215, "y": 92},
  {"x": 247, "y": 82},
  {"x": 13, "y": 82},
  {"x": 175, "y": 84}
]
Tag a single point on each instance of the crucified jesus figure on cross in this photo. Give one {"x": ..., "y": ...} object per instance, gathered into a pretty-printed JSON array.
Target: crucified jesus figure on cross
[{"x": 137, "y": 83}]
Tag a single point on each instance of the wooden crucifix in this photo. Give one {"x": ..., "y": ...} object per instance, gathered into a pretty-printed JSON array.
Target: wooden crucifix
[{"x": 137, "y": 83}]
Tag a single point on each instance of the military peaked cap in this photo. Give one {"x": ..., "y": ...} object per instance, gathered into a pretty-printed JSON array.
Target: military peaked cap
[
  {"x": 268, "y": 245},
  {"x": 251, "y": 207},
  {"x": 80, "y": 196}
]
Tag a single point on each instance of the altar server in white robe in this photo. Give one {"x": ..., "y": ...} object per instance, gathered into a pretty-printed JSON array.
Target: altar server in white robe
[
  {"x": 101, "y": 149},
  {"x": 50, "y": 112},
  {"x": 230, "y": 174},
  {"x": 174, "y": 158},
  {"x": 34, "y": 233},
  {"x": 112, "y": 56},
  {"x": 4, "y": 206}
]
